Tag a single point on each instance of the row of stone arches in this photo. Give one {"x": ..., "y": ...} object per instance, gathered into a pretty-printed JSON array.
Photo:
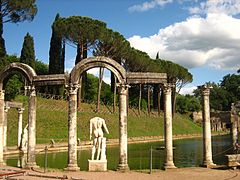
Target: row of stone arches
[{"x": 72, "y": 84}]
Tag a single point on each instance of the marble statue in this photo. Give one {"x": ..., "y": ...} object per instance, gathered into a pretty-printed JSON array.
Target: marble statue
[
  {"x": 97, "y": 129},
  {"x": 24, "y": 139}
]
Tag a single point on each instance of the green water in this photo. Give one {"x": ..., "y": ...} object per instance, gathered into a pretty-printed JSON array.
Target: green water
[{"x": 187, "y": 153}]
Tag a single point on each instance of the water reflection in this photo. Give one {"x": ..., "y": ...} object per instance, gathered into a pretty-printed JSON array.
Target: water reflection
[{"x": 187, "y": 153}]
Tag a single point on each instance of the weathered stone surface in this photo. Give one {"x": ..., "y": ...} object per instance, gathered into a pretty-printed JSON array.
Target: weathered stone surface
[
  {"x": 1, "y": 126},
  {"x": 31, "y": 161},
  {"x": 26, "y": 70},
  {"x": 5, "y": 128},
  {"x": 97, "y": 165},
  {"x": 72, "y": 128},
  {"x": 123, "y": 156},
  {"x": 146, "y": 78},
  {"x": 207, "y": 143},
  {"x": 53, "y": 79},
  {"x": 20, "y": 119},
  {"x": 220, "y": 120},
  {"x": 233, "y": 160},
  {"x": 98, "y": 61},
  {"x": 168, "y": 127},
  {"x": 11, "y": 104}
]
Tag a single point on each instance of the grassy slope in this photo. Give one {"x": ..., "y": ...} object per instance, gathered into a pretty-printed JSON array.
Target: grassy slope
[{"x": 52, "y": 119}]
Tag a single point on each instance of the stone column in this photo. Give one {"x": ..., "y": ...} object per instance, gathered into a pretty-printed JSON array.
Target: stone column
[
  {"x": 1, "y": 126},
  {"x": 5, "y": 128},
  {"x": 20, "y": 115},
  {"x": 234, "y": 133},
  {"x": 234, "y": 127},
  {"x": 31, "y": 161},
  {"x": 168, "y": 127},
  {"x": 123, "y": 143},
  {"x": 207, "y": 144},
  {"x": 72, "y": 128}
]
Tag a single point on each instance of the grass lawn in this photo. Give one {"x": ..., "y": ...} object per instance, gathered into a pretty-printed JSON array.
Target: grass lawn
[{"x": 52, "y": 122}]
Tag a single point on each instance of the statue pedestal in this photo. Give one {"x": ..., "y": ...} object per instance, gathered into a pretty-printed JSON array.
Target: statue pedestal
[{"x": 97, "y": 165}]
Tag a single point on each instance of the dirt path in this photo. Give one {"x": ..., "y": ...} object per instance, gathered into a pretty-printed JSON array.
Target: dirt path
[{"x": 178, "y": 174}]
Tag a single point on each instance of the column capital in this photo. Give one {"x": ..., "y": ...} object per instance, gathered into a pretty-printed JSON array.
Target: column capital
[
  {"x": 31, "y": 90},
  {"x": 20, "y": 110},
  {"x": 6, "y": 108},
  {"x": 123, "y": 87},
  {"x": 72, "y": 88},
  {"x": 167, "y": 87},
  {"x": 205, "y": 89}
]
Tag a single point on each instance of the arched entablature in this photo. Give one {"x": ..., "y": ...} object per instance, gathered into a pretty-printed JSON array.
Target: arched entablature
[
  {"x": 98, "y": 61},
  {"x": 26, "y": 70}
]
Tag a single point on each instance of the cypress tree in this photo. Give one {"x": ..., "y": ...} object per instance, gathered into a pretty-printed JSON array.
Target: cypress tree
[
  {"x": 2, "y": 43},
  {"x": 27, "y": 52},
  {"x": 156, "y": 90},
  {"x": 157, "y": 56},
  {"x": 56, "y": 52},
  {"x": 62, "y": 67}
]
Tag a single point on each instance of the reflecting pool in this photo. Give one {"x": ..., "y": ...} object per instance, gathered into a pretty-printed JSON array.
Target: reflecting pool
[{"x": 187, "y": 153}]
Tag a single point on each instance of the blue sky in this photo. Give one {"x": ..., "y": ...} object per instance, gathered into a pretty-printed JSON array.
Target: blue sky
[{"x": 200, "y": 35}]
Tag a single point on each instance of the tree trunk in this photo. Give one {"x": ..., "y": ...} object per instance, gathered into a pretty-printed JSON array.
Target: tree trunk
[
  {"x": 158, "y": 100},
  {"x": 155, "y": 96},
  {"x": 114, "y": 94},
  {"x": 174, "y": 97},
  {"x": 113, "y": 81},
  {"x": 149, "y": 100},
  {"x": 101, "y": 71},
  {"x": 79, "y": 93},
  {"x": 81, "y": 54},
  {"x": 162, "y": 100},
  {"x": 140, "y": 99}
]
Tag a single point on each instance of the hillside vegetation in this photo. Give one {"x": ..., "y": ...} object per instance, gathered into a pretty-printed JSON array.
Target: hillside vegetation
[{"x": 52, "y": 122}]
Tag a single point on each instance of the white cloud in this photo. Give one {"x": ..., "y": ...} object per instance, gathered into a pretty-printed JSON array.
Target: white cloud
[
  {"x": 94, "y": 71},
  {"x": 149, "y": 5},
  {"x": 229, "y": 7},
  {"x": 197, "y": 41},
  {"x": 106, "y": 75},
  {"x": 188, "y": 90}
]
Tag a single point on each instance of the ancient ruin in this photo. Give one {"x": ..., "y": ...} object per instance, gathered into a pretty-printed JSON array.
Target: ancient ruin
[
  {"x": 207, "y": 142},
  {"x": 72, "y": 84}
]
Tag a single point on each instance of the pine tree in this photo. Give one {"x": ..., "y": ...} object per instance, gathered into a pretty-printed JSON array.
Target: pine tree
[
  {"x": 28, "y": 53},
  {"x": 14, "y": 11}
]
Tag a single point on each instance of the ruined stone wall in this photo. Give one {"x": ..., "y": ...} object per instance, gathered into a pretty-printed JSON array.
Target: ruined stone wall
[
  {"x": 220, "y": 120},
  {"x": 197, "y": 117}
]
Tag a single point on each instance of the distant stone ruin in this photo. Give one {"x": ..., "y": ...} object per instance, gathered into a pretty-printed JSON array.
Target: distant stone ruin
[{"x": 220, "y": 120}]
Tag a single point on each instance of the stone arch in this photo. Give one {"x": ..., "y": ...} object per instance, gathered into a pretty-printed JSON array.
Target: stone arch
[
  {"x": 72, "y": 88},
  {"x": 98, "y": 61},
  {"x": 27, "y": 71}
]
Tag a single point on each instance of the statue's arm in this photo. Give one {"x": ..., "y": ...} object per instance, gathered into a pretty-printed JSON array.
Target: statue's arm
[
  {"x": 105, "y": 127},
  {"x": 90, "y": 130}
]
